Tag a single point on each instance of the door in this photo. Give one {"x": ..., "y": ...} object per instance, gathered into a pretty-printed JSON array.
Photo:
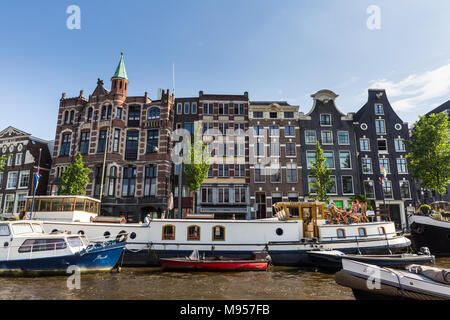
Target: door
[
  {"x": 394, "y": 210},
  {"x": 260, "y": 198}
]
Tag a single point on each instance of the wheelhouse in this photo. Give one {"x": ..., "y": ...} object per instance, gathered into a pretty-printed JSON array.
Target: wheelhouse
[
  {"x": 311, "y": 213},
  {"x": 63, "y": 208}
]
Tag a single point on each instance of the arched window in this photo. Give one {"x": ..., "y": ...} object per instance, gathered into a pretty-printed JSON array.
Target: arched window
[
  {"x": 340, "y": 233},
  {"x": 218, "y": 233},
  {"x": 103, "y": 115},
  {"x": 89, "y": 115},
  {"x": 72, "y": 116},
  {"x": 362, "y": 232},
  {"x": 153, "y": 113},
  {"x": 66, "y": 117},
  {"x": 193, "y": 233},
  {"x": 168, "y": 232}
]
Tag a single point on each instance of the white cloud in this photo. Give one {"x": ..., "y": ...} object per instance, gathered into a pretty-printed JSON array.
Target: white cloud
[{"x": 417, "y": 90}]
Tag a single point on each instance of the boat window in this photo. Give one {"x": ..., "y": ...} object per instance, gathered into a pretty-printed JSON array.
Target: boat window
[
  {"x": 38, "y": 228},
  {"x": 318, "y": 212},
  {"x": 169, "y": 232},
  {"x": 107, "y": 234},
  {"x": 75, "y": 242},
  {"x": 362, "y": 232},
  {"x": 44, "y": 205},
  {"x": 68, "y": 204},
  {"x": 293, "y": 212},
  {"x": 4, "y": 230},
  {"x": 218, "y": 233},
  {"x": 79, "y": 205},
  {"x": 36, "y": 245},
  {"x": 57, "y": 204},
  {"x": 193, "y": 233},
  {"x": 340, "y": 233},
  {"x": 381, "y": 230},
  {"x": 21, "y": 228}
]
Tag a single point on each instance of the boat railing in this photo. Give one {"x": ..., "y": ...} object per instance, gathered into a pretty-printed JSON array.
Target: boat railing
[{"x": 359, "y": 237}]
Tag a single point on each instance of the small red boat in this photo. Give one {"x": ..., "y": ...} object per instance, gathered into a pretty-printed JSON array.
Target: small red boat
[{"x": 212, "y": 264}]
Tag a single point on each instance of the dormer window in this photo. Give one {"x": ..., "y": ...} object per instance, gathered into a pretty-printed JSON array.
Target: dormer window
[
  {"x": 325, "y": 120},
  {"x": 379, "y": 109},
  {"x": 273, "y": 115}
]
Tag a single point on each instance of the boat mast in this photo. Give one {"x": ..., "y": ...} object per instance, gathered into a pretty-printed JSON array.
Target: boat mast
[{"x": 36, "y": 181}]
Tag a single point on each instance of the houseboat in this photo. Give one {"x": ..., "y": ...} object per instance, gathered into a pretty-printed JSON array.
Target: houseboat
[
  {"x": 147, "y": 243},
  {"x": 27, "y": 248}
]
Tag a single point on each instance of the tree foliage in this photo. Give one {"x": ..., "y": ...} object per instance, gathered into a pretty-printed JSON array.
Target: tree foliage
[
  {"x": 322, "y": 174},
  {"x": 429, "y": 152},
  {"x": 74, "y": 178},
  {"x": 196, "y": 166},
  {"x": 3, "y": 160}
]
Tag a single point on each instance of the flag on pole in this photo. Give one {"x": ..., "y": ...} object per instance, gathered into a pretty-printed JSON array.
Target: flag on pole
[
  {"x": 36, "y": 177},
  {"x": 384, "y": 172}
]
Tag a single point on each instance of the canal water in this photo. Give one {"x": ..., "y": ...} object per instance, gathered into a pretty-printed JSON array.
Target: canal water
[{"x": 278, "y": 283}]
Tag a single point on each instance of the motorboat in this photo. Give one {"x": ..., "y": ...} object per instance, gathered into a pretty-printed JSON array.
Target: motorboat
[
  {"x": 27, "y": 248},
  {"x": 332, "y": 259},
  {"x": 370, "y": 282},
  {"x": 196, "y": 263},
  {"x": 432, "y": 229}
]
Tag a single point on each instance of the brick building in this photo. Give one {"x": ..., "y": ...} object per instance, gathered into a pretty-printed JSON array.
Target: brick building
[
  {"x": 334, "y": 130},
  {"x": 380, "y": 135},
  {"x": 127, "y": 138},
  {"x": 275, "y": 156},
  {"x": 16, "y": 181}
]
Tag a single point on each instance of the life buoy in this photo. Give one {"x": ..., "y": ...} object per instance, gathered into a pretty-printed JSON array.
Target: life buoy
[
  {"x": 417, "y": 228},
  {"x": 122, "y": 236}
]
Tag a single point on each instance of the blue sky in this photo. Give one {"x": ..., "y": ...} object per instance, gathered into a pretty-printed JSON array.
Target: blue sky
[{"x": 275, "y": 50}]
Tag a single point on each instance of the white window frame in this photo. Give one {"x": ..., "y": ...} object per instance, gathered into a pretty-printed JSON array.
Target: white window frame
[
  {"x": 321, "y": 137},
  {"x": 349, "y": 156},
  {"x": 292, "y": 166},
  {"x": 371, "y": 165},
  {"x": 406, "y": 165},
  {"x": 342, "y": 185},
  {"x": 315, "y": 137},
  {"x": 19, "y": 156},
  {"x": 17, "y": 181},
  {"x": 388, "y": 169},
  {"x": 375, "y": 109},
  {"x": 368, "y": 144},
  {"x": 384, "y": 126},
  {"x": 409, "y": 187},
  {"x": 364, "y": 189},
  {"x": 348, "y": 136},
  {"x": 20, "y": 179},
  {"x": 334, "y": 159},
  {"x": 403, "y": 144},
  {"x": 325, "y": 125},
  {"x": 179, "y": 110}
]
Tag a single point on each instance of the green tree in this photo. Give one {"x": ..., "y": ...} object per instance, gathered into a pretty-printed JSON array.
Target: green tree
[
  {"x": 74, "y": 178},
  {"x": 3, "y": 162},
  {"x": 196, "y": 166},
  {"x": 429, "y": 152},
  {"x": 322, "y": 175}
]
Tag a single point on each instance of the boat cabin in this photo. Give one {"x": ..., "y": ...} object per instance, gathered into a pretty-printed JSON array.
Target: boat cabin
[
  {"x": 311, "y": 213},
  {"x": 27, "y": 240},
  {"x": 62, "y": 208}
]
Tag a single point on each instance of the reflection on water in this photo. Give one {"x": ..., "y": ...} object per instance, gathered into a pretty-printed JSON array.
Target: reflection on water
[{"x": 152, "y": 283}]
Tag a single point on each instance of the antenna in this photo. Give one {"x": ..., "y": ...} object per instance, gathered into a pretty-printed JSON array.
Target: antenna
[{"x": 173, "y": 77}]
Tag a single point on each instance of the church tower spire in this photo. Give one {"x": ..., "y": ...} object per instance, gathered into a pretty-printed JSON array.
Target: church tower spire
[{"x": 119, "y": 79}]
